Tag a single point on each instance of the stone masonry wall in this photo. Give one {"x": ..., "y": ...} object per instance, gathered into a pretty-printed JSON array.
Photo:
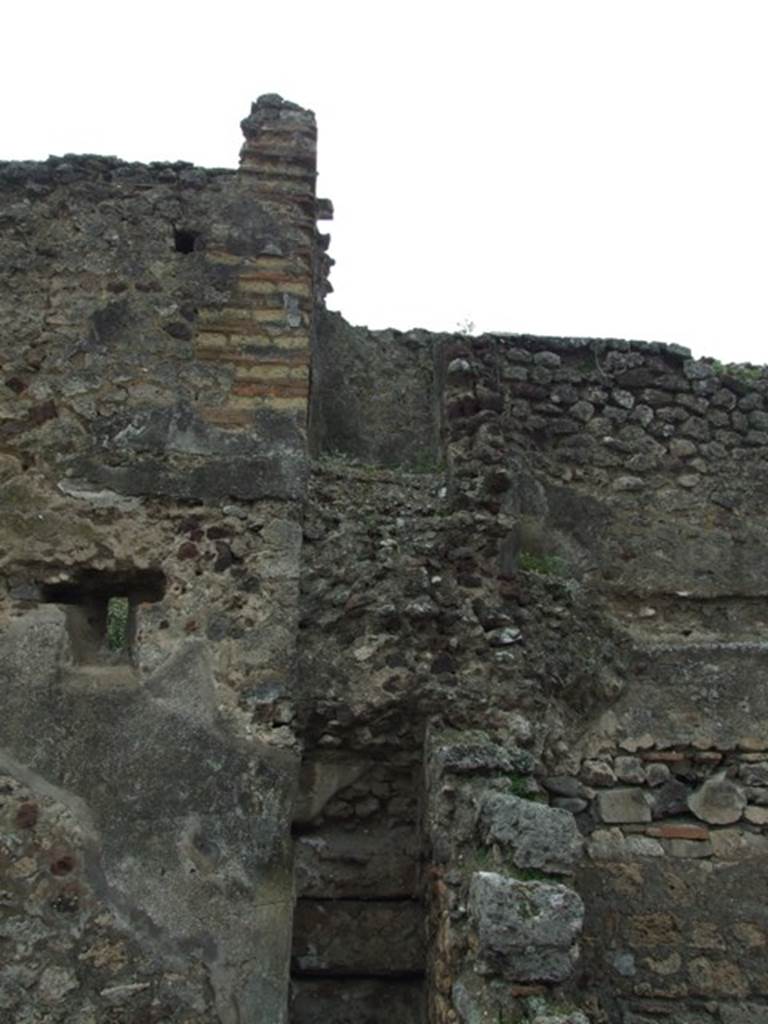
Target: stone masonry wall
[
  {"x": 588, "y": 580},
  {"x": 155, "y": 327},
  {"x": 463, "y": 719}
]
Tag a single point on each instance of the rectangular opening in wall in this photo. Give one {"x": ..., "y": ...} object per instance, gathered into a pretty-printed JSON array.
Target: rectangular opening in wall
[{"x": 101, "y": 612}]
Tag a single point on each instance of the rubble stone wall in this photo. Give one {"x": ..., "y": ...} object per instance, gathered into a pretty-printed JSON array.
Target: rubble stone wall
[{"x": 592, "y": 577}]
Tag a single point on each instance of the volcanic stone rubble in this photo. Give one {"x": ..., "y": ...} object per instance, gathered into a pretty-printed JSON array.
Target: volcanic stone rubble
[{"x": 438, "y": 690}]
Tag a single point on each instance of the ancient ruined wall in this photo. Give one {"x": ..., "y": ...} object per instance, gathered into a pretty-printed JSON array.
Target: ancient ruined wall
[
  {"x": 573, "y": 613},
  {"x": 155, "y": 326},
  {"x": 650, "y": 494},
  {"x": 462, "y": 720}
]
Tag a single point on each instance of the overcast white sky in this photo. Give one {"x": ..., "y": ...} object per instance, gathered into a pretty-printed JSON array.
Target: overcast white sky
[{"x": 576, "y": 167}]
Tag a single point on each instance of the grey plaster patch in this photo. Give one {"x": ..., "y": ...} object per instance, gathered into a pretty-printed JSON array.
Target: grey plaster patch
[{"x": 192, "y": 823}]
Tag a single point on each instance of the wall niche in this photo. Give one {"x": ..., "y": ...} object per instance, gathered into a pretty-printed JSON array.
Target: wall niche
[{"x": 101, "y": 612}]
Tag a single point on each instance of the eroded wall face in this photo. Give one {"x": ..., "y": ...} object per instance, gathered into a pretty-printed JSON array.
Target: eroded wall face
[{"x": 155, "y": 325}]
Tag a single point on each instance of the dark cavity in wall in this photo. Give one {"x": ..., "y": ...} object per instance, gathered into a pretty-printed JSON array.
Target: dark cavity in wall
[
  {"x": 185, "y": 240},
  {"x": 358, "y": 932},
  {"x": 101, "y": 611}
]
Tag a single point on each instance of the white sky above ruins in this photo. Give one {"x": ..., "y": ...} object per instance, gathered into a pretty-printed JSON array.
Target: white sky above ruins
[{"x": 576, "y": 167}]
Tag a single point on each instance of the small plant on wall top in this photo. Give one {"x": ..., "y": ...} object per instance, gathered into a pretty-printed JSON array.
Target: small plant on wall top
[
  {"x": 544, "y": 565},
  {"x": 745, "y": 372}
]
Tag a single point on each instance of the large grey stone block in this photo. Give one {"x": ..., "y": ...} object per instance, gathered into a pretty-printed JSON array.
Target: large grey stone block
[
  {"x": 718, "y": 801},
  {"x": 536, "y": 836},
  {"x": 526, "y": 931},
  {"x": 623, "y": 805}
]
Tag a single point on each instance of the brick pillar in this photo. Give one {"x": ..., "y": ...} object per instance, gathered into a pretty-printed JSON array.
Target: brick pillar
[{"x": 266, "y": 331}]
